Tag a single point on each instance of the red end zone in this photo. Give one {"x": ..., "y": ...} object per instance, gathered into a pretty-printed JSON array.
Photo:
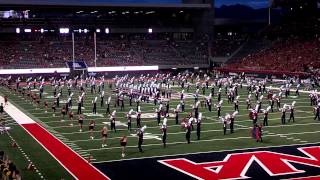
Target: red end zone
[{"x": 74, "y": 163}]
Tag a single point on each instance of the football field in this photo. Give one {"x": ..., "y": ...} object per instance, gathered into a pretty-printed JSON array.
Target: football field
[{"x": 305, "y": 130}]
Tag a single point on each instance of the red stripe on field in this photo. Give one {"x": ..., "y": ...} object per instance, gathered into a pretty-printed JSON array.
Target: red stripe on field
[{"x": 74, "y": 163}]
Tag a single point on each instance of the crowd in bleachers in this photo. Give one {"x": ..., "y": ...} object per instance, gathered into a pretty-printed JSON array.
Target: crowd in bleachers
[
  {"x": 225, "y": 44},
  {"x": 49, "y": 52},
  {"x": 290, "y": 55},
  {"x": 8, "y": 168},
  {"x": 295, "y": 47}
]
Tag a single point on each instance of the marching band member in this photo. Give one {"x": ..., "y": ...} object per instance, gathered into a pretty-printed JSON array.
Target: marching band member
[
  {"x": 138, "y": 100},
  {"x": 283, "y": 116},
  {"x": 121, "y": 99},
  {"x": 188, "y": 126},
  {"x": 182, "y": 105},
  {"x": 273, "y": 98},
  {"x": 196, "y": 95},
  {"x": 129, "y": 117},
  {"x": 93, "y": 85},
  {"x": 58, "y": 99},
  {"x": 82, "y": 98},
  {"x": 259, "y": 102},
  {"x": 269, "y": 92},
  {"x": 138, "y": 114},
  {"x": 291, "y": 108},
  {"x": 224, "y": 121},
  {"x": 232, "y": 118},
  {"x": 41, "y": 89},
  {"x": 130, "y": 97},
  {"x": 212, "y": 89},
  {"x": 101, "y": 98},
  {"x": 278, "y": 99},
  {"x": 249, "y": 102},
  {"x": 256, "y": 93},
  {"x": 317, "y": 112},
  {"x": 176, "y": 111},
  {"x": 198, "y": 121},
  {"x": 196, "y": 109},
  {"x": 167, "y": 108},
  {"x": 265, "y": 115},
  {"x": 2, "y": 120},
  {"x": 254, "y": 114},
  {"x": 311, "y": 99},
  {"x": 140, "y": 136},
  {"x": 218, "y": 106},
  {"x": 79, "y": 105},
  {"x": 164, "y": 132},
  {"x": 108, "y": 105},
  {"x": 297, "y": 90},
  {"x": 94, "y": 107},
  {"x": 219, "y": 94},
  {"x": 287, "y": 90},
  {"x": 69, "y": 87},
  {"x": 203, "y": 87},
  {"x": 236, "y": 104},
  {"x": 158, "y": 115},
  {"x": 113, "y": 121},
  {"x": 70, "y": 100},
  {"x": 230, "y": 95}
]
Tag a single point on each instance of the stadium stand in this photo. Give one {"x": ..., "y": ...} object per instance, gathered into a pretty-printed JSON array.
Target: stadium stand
[
  {"x": 289, "y": 55},
  {"x": 50, "y": 52},
  {"x": 8, "y": 169}
]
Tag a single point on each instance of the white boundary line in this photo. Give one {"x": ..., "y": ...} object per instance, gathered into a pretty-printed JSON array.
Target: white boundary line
[
  {"x": 30, "y": 121},
  {"x": 197, "y": 141},
  {"x": 207, "y": 152}
]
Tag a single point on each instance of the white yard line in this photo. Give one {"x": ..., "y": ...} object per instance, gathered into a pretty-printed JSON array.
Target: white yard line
[{"x": 197, "y": 141}]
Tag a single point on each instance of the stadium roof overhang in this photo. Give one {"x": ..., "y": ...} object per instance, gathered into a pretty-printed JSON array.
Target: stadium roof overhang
[{"x": 67, "y": 4}]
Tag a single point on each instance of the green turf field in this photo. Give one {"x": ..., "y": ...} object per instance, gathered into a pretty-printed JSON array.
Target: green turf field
[{"x": 304, "y": 130}]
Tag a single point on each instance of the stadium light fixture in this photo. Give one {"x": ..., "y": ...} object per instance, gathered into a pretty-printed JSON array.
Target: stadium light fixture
[
  {"x": 85, "y": 31},
  {"x": 27, "y": 30},
  {"x": 150, "y": 12},
  {"x": 41, "y": 30},
  {"x": 80, "y": 31},
  {"x": 64, "y": 30},
  {"x": 150, "y": 30},
  {"x": 18, "y": 30},
  {"x": 107, "y": 30},
  {"x": 98, "y": 30}
]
